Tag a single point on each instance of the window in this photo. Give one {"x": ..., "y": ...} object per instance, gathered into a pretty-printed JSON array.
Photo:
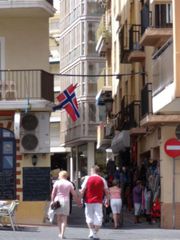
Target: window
[
  {"x": 92, "y": 81},
  {"x": 55, "y": 134},
  {"x": 92, "y": 112}
]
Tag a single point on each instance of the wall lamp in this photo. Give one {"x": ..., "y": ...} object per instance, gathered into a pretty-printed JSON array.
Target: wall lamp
[{"x": 34, "y": 160}]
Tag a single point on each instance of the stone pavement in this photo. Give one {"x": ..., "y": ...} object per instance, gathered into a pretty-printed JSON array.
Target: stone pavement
[
  {"x": 80, "y": 233},
  {"x": 77, "y": 230}
]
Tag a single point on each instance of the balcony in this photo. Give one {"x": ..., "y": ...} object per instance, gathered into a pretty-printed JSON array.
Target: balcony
[
  {"x": 19, "y": 85},
  {"x": 134, "y": 118},
  {"x": 163, "y": 73},
  {"x": 165, "y": 88},
  {"x": 103, "y": 37},
  {"x": 159, "y": 1},
  {"x": 136, "y": 51},
  {"x": 105, "y": 133},
  {"x": 26, "y": 8},
  {"x": 124, "y": 45},
  {"x": 156, "y": 25},
  {"x": 121, "y": 121},
  {"x": 149, "y": 119},
  {"x": 146, "y": 100},
  {"x": 105, "y": 3},
  {"x": 103, "y": 95}
]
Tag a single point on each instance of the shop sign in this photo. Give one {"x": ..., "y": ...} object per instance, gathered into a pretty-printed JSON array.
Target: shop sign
[{"x": 172, "y": 147}]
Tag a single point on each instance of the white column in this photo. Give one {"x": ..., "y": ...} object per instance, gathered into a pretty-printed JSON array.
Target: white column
[
  {"x": 90, "y": 156},
  {"x": 77, "y": 167},
  {"x": 71, "y": 169}
]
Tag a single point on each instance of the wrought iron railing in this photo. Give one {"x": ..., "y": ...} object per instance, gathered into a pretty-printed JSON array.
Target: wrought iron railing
[
  {"x": 162, "y": 16},
  {"x": 146, "y": 100},
  {"x": 134, "y": 37},
  {"x": 134, "y": 114},
  {"x": 124, "y": 45}
]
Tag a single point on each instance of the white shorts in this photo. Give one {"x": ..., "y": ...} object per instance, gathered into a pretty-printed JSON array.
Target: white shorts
[
  {"x": 137, "y": 209},
  {"x": 94, "y": 213},
  {"x": 116, "y": 205}
]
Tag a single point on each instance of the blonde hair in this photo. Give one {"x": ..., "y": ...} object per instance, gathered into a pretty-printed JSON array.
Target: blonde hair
[{"x": 63, "y": 174}]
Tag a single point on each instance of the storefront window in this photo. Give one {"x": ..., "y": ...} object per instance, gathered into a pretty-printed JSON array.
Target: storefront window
[{"x": 82, "y": 160}]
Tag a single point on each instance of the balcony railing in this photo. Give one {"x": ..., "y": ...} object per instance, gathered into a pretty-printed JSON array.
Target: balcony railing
[
  {"x": 23, "y": 84},
  {"x": 100, "y": 28},
  {"x": 103, "y": 36},
  {"x": 122, "y": 118},
  {"x": 146, "y": 18},
  {"x": 136, "y": 50},
  {"x": 146, "y": 100},
  {"x": 124, "y": 45},
  {"x": 163, "y": 68},
  {"x": 134, "y": 37},
  {"x": 105, "y": 133},
  {"x": 156, "y": 25},
  {"x": 134, "y": 114},
  {"x": 160, "y": 19}
]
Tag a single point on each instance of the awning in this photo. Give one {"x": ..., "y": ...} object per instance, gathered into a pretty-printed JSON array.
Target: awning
[{"x": 121, "y": 141}]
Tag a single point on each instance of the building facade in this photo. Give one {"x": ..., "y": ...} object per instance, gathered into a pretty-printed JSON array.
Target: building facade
[
  {"x": 145, "y": 92},
  {"x": 59, "y": 155},
  {"x": 26, "y": 99},
  {"x": 79, "y": 63}
]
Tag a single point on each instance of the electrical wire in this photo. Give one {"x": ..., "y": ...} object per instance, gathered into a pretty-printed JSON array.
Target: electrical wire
[{"x": 99, "y": 75}]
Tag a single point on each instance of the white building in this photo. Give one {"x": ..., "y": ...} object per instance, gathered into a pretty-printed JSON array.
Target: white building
[
  {"x": 59, "y": 154},
  {"x": 79, "y": 60}
]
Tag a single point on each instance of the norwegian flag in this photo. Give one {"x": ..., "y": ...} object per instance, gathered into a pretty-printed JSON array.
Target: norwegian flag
[{"x": 67, "y": 100}]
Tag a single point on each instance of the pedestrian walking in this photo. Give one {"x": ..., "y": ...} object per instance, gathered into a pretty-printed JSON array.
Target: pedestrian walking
[
  {"x": 115, "y": 202},
  {"x": 93, "y": 190},
  {"x": 61, "y": 192},
  {"x": 137, "y": 200}
]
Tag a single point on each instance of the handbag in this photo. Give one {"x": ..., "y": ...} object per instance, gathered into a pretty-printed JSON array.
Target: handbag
[{"x": 55, "y": 205}]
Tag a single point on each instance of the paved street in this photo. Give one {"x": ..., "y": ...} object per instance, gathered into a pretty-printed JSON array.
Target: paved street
[
  {"x": 77, "y": 230},
  {"x": 49, "y": 233}
]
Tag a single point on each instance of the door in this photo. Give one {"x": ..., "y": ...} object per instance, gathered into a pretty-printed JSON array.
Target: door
[{"x": 7, "y": 165}]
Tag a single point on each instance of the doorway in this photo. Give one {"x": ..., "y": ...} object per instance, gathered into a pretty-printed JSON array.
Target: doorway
[{"x": 7, "y": 165}]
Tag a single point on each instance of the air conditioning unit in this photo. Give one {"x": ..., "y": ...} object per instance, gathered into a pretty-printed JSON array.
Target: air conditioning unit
[{"x": 34, "y": 133}]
